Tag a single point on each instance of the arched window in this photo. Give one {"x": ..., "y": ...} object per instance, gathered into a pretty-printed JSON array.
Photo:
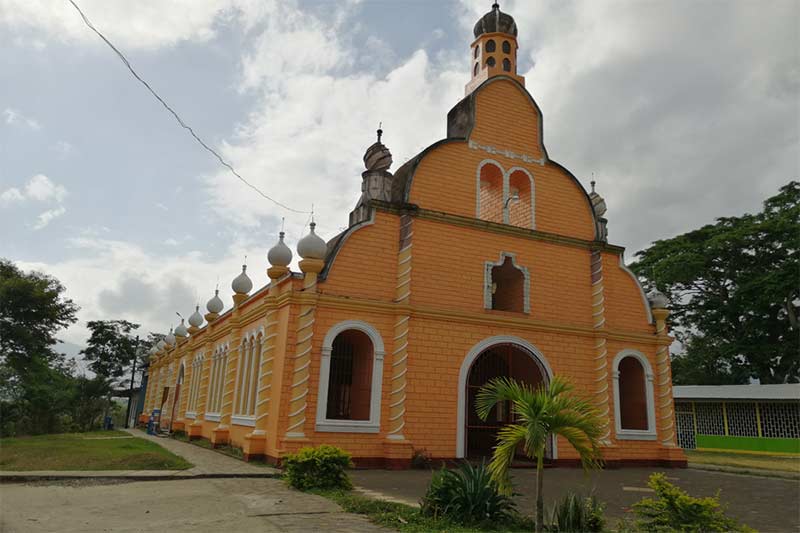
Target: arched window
[
  {"x": 506, "y": 65},
  {"x": 216, "y": 383},
  {"x": 490, "y": 193},
  {"x": 247, "y": 381},
  {"x": 476, "y": 53},
  {"x": 475, "y": 70},
  {"x": 194, "y": 386},
  {"x": 506, "y": 47},
  {"x": 491, "y": 46},
  {"x": 351, "y": 370},
  {"x": 634, "y": 408},
  {"x": 520, "y": 209},
  {"x": 507, "y": 286},
  {"x": 490, "y": 62}
]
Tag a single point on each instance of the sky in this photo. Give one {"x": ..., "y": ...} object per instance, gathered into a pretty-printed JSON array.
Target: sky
[{"x": 684, "y": 111}]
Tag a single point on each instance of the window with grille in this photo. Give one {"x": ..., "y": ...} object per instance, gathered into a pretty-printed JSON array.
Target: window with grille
[
  {"x": 709, "y": 418},
  {"x": 780, "y": 419},
  {"x": 742, "y": 420}
]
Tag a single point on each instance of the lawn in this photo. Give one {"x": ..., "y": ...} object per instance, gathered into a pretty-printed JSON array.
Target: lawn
[
  {"x": 98, "y": 450},
  {"x": 784, "y": 463}
]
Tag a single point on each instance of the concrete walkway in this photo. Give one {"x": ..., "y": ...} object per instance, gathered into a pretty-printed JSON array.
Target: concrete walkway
[{"x": 207, "y": 464}]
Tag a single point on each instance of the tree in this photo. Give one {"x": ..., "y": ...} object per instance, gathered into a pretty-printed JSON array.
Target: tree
[
  {"x": 111, "y": 348},
  {"x": 34, "y": 378},
  {"x": 539, "y": 414},
  {"x": 734, "y": 292}
]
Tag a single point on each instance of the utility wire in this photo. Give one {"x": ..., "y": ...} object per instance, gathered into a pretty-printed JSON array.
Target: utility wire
[{"x": 177, "y": 117}]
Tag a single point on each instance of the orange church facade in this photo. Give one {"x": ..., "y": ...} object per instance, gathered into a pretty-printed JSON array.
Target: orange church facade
[{"x": 479, "y": 257}]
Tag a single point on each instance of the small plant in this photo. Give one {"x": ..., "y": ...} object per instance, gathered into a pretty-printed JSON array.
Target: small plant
[
  {"x": 672, "y": 509},
  {"x": 576, "y": 514},
  {"x": 467, "y": 495},
  {"x": 421, "y": 459},
  {"x": 324, "y": 467}
]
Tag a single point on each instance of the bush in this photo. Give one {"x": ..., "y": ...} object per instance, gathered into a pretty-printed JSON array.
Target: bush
[
  {"x": 421, "y": 459},
  {"x": 674, "y": 510},
  {"x": 467, "y": 496},
  {"x": 324, "y": 467},
  {"x": 576, "y": 514}
]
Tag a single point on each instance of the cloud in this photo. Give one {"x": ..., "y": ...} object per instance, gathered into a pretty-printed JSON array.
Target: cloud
[
  {"x": 39, "y": 188},
  {"x": 42, "y": 189},
  {"x": 48, "y": 216},
  {"x": 145, "y": 24},
  {"x": 63, "y": 148},
  {"x": 14, "y": 117}
]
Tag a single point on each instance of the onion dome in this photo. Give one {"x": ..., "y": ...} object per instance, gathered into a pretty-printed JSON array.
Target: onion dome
[
  {"x": 657, "y": 299},
  {"x": 215, "y": 304},
  {"x": 242, "y": 284},
  {"x": 181, "y": 330},
  {"x": 378, "y": 157},
  {"x": 161, "y": 344},
  {"x": 495, "y": 21},
  {"x": 312, "y": 246},
  {"x": 170, "y": 338},
  {"x": 280, "y": 255},
  {"x": 153, "y": 350},
  {"x": 598, "y": 203},
  {"x": 196, "y": 319}
]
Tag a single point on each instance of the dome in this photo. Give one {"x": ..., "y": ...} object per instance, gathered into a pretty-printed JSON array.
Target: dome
[
  {"x": 242, "y": 284},
  {"x": 170, "y": 338},
  {"x": 215, "y": 305},
  {"x": 181, "y": 330},
  {"x": 598, "y": 203},
  {"x": 312, "y": 246},
  {"x": 495, "y": 21},
  {"x": 196, "y": 319},
  {"x": 378, "y": 157},
  {"x": 160, "y": 344},
  {"x": 279, "y": 255},
  {"x": 153, "y": 350},
  {"x": 657, "y": 299}
]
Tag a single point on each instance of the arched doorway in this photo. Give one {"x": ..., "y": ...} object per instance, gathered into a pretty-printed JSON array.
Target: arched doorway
[{"x": 496, "y": 357}]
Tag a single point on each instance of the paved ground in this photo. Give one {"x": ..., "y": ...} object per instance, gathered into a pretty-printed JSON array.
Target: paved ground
[
  {"x": 766, "y": 504},
  {"x": 199, "y": 505}
]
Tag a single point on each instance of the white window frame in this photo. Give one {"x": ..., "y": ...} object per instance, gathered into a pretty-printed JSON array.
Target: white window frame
[
  {"x": 216, "y": 382},
  {"x": 635, "y": 434},
  {"x": 323, "y": 424},
  {"x": 248, "y": 377},
  {"x": 506, "y": 184},
  {"x": 487, "y": 282}
]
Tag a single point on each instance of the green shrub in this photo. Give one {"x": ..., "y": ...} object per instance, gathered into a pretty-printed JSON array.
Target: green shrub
[
  {"x": 324, "y": 467},
  {"x": 576, "y": 514},
  {"x": 467, "y": 495},
  {"x": 672, "y": 509}
]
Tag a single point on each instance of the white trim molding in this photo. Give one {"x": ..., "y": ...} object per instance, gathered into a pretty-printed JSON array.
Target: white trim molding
[
  {"x": 634, "y": 434},
  {"x": 190, "y": 415},
  {"x": 243, "y": 420},
  {"x": 463, "y": 374},
  {"x": 487, "y": 281},
  {"x": 372, "y": 425},
  {"x": 212, "y": 417},
  {"x": 506, "y": 186}
]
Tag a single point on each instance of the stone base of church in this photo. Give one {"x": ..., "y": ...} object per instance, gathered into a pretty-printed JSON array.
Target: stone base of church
[
  {"x": 195, "y": 430},
  {"x": 255, "y": 446},
  {"x": 179, "y": 425},
  {"x": 220, "y": 436}
]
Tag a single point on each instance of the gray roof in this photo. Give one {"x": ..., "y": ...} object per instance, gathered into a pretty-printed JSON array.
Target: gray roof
[{"x": 787, "y": 391}]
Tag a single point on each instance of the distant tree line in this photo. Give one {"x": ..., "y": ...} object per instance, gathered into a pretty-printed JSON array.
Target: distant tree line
[{"x": 41, "y": 390}]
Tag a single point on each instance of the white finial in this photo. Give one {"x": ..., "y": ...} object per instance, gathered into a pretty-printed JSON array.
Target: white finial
[{"x": 312, "y": 246}]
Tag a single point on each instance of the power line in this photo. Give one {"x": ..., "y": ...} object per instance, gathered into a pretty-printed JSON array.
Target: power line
[{"x": 177, "y": 117}]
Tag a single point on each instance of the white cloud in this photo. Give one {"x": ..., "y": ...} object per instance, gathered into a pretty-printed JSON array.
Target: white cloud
[
  {"x": 11, "y": 196},
  {"x": 63, "y": 148},
  {"x": 42, "y": 189},
  {"x": 145, "y": 24},
  {"x": 15, "y": 117},
  {"x": 48, "y": 216}
]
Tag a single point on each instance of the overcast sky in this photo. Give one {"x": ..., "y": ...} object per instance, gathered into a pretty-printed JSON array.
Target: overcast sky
[{"x": 684, "y": 110}]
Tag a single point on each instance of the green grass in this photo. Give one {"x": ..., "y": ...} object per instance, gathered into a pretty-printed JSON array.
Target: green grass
[
  {"x": 85, "y": 451},
  {"x": 409, "y": 519},
  {"x": 782, "y": 463}
]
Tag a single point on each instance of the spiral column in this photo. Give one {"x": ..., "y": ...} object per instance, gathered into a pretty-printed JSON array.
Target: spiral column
[
  {"x": 397, "y": 395},
  {"x": 666, "y": 415},
  {"x": 601, "y": 396}
]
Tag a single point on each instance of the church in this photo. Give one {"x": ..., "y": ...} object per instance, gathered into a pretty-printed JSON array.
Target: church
[{"x": 479, "y": 257}]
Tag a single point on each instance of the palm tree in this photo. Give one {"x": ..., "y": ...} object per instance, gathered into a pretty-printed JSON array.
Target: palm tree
[{"x": 538, "y": 414}]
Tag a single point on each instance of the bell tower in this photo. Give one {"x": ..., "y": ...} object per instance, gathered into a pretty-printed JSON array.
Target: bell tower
[{"x": 494, "y": 50}]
